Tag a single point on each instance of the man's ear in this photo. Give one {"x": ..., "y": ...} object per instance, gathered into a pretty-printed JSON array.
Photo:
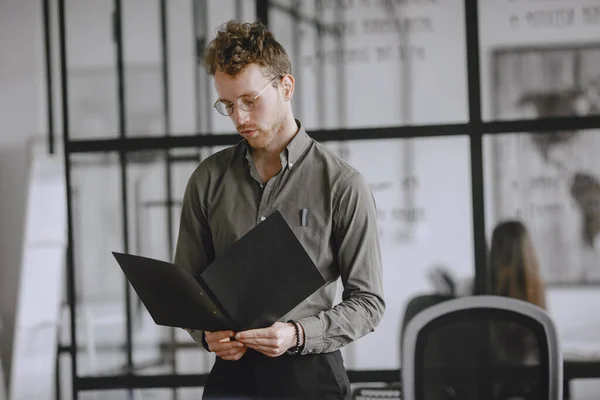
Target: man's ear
[{"x": 287, "y": 84}]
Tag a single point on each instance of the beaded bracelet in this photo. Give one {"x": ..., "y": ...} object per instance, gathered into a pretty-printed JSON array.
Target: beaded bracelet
[{"x": 292, "y": 351}]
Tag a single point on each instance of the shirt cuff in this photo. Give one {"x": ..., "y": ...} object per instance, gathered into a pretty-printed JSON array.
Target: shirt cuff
[
  {"x": 199, "y": 338},
  {"x": 313, "y": 335}
]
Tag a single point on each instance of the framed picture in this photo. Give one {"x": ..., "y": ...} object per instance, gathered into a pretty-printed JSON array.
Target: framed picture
[{"x": 550, "y": 181}]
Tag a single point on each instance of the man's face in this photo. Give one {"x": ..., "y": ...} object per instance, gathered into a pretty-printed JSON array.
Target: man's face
[{"x": 260, "y": 126}]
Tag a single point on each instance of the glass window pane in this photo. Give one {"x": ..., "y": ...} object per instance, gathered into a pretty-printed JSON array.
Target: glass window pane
[
  {"x": 189, "y": 393},
  {"x": 121, "y": 394},
  {"x": 422, "y": 189},
  {"x": 148, "y": 229},
  {"x": 192, "y": 393},
  {"x": 347, "y": 55},
  {"x": 93, "y": 75},
  {"x": 143, "y": 70},
  {"x": 182, "y": 56},
  {"x": 141, "y": 32},
  {"x": 539, "y": 58},
  {"x": 93, "y": 80},
  {"x": 91, "y": 60},
  {"x": 190, "y": 358},
  {"x": 94, "y": 112},
  {"x": 98, "y": 219},
  {"x": 159, "y": 349},
  {"x": 553, "y": 188},
  {"x": 98, "y": 230}
]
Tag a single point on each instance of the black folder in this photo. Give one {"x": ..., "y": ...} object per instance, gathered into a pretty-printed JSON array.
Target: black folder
[{"x": 263, "y": 276}]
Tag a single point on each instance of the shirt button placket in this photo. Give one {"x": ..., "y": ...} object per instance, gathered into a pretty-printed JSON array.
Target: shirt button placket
[{"x": 264, "y": 201}]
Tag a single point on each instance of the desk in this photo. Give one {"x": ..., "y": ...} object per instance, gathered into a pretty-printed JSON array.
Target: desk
[
  {"x": 579, "y": 369},
  {"x": 573, "y": 369},
  {"x": 581, "y": 360}
]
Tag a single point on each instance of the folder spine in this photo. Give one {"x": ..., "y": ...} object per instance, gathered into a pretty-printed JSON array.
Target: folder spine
[{"x": 216, "y": 301}]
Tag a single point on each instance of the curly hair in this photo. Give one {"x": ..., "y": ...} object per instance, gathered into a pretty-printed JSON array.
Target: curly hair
[{"x": 238, "y": 44}]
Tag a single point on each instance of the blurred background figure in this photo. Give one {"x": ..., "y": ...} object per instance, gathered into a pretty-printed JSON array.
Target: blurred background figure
[
  {"x": 515, "y": 272},
  {"x": 514, "y": 264}
]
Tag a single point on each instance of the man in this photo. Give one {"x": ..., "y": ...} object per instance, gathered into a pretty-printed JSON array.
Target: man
[{"x": 277, "y": 166}]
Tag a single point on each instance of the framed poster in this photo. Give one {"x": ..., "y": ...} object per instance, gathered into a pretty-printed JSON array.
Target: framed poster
[
  {"x": 538, "y": 60},
  {"x": 551, "y": 181}
]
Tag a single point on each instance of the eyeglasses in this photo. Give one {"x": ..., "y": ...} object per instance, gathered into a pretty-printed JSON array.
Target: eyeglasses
[{"x": 244, "y": 102}]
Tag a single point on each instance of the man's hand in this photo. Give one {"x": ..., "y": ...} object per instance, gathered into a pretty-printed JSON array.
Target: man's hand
[
  {"x": 272, "y": 341},
  {"x": 220, "y": 344}
]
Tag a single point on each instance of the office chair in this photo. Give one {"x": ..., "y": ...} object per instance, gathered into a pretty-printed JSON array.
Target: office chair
[
  {"x": 419, "y": 303},
  {"x": 481, "y": 347},
  {"x": 414, "y": 306}
]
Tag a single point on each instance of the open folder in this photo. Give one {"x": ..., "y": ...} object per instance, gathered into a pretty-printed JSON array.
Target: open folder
[{"x": 263, "y": 276}]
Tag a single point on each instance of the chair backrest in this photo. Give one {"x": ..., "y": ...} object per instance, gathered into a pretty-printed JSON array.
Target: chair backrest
[
  {"x": 481, "y": 347},
  {"x": 419, "y": 303}
]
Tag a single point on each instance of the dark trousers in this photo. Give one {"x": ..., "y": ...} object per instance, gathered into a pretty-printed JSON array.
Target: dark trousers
[{"x": 255, "y": 376}]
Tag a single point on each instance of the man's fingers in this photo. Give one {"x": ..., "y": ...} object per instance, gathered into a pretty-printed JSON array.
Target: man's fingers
[
  {"x": 234, "y": 354},
  {"x": 256, "y": 333},
  {"x": 262, "y": 349},
  {"x": 229, "y": 352},
  {"x": 224, "y": 346},
  {"x": 216, "y": 336},
  {"x": 267, "y": 351},
  {"x": 216, "y": 340},
  {"x": 268, "y": 342}
]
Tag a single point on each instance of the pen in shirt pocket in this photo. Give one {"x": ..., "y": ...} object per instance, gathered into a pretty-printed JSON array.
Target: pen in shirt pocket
[{"x": 304, "y": 217}]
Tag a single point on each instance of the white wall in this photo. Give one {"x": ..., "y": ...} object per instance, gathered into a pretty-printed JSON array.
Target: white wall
[
  {"x": 41, "y": 282},
  {"x": 13, "y": 189},
  {"x": 21, "y": 117}
]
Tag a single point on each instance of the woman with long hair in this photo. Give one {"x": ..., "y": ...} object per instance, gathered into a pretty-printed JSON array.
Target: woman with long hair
[
  {"x": 516, "y": 273},
  {"x": 514, "y": 264}
]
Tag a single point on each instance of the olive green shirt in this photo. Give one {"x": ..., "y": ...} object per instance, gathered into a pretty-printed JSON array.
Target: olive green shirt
[{"x": 225, "y": 198}]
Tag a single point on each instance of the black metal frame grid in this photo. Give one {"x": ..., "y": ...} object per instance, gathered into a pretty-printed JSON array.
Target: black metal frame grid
[{"x": 474, "y": 128}]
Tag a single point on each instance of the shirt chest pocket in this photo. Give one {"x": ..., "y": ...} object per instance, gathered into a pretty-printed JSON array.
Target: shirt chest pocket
[{"x": 313, "y": 229}]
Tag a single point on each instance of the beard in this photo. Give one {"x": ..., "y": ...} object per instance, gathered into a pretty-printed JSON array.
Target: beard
[
  {"x": 262, "y": 138},
  {"x": 265, "y": 134}
]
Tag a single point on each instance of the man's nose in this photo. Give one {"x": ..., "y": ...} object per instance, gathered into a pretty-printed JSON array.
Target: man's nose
[{"x": 239, "y": 116}]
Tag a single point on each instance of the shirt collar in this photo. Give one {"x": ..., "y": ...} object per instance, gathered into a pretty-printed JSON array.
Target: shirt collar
[
  {"x": 292, "y": 151},
  {"x": 297, "y": 145}
]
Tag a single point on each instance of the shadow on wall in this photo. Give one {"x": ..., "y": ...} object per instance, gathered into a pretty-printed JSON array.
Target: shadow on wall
[{"x": 14, "y": 173}]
